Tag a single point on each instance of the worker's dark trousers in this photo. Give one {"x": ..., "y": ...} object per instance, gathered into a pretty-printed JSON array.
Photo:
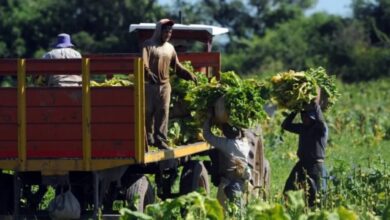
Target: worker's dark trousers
[
  {"x": 157, "y": 112},
  {"x": 298, "y": 178},
  {"x": 233, "y": 192}
]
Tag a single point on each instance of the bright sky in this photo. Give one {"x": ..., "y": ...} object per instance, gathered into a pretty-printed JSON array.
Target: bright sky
[{"x": 338, "y": 7}]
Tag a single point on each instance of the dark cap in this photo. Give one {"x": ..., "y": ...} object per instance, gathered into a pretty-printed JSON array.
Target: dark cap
[
  {"x": 230, "y": 132},
  {"x": 311, "y": 114},
  {"x": 166, "y": 22}
]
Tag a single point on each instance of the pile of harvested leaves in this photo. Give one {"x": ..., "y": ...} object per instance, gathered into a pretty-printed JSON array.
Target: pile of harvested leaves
[
  {"x": 243, "y": 98},
  {"x": 293, "y": 90}
]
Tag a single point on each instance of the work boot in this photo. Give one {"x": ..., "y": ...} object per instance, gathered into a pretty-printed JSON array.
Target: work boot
[
  {"x": 163, "y": 146},
  {"x": 150, "y": 141}
]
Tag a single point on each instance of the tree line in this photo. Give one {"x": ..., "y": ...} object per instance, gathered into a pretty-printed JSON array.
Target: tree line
[{"x": 266, "y": 36}]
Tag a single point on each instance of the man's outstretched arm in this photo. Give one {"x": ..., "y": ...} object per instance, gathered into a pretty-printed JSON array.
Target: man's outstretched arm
[{"x": 288, "y": 124}]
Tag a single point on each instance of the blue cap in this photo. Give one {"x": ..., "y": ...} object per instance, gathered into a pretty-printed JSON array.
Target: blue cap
[{"x": 63, "y": 41}]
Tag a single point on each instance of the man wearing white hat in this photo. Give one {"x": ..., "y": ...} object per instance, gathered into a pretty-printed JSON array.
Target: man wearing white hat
[{"x": 63, "y": 49}]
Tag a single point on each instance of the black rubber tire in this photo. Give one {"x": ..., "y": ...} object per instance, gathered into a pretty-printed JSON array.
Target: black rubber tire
[
  {"x": 6, "y": 194},
  {"x": 194, "y": 175},
  {"x": 144, "y": 190}
]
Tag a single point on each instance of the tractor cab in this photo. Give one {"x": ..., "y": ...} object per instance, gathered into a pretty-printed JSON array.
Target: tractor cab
[
  {"x": 193, "y": 42},
  {"x": 183, "y": 35}
]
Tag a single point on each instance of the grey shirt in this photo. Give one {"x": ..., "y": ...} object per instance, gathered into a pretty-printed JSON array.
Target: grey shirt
[
  {"x": 63, "y": 80},
  {"x": 231, "y": 149}
]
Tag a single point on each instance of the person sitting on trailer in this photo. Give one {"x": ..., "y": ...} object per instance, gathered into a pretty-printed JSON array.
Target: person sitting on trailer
[
  {"x": 234, "y": 150},
  {"x": 159, "y": 56},
  {"x": 63, "y": 49}
]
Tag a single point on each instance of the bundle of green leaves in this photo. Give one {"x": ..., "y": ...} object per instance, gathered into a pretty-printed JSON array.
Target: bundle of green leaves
[
  {"x": 327, "y": 84},
  {"x": 244, "y": 99},
  {"x": 183, "y": 131},
  {"x": 180, "y": 88},
  {"x": 294, "y": 90},
  {"x": 183, "y": 128}
]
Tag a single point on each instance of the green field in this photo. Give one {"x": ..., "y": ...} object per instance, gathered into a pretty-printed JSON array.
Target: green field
[
  {"x": 358, "y": 153},
  {"x": 359, "y": 132},
  {"x": 358, "y": 161}
]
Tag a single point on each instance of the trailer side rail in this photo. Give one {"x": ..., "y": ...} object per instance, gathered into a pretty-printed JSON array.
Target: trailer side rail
[
  {"x": 56, "y": 130},
  {"x": 59, "y": 129}
]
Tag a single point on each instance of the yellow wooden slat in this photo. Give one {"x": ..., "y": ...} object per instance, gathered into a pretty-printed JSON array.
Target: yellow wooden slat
[
  {"x": 177, "y": 152},
  {"x": 63, "y": 166},
  {"x": 86, "y": 113},
  {"x": 22, "y": 151},
  {"x": 139, "y": 110}
]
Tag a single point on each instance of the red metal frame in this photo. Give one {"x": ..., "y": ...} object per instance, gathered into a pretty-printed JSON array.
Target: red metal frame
[
  {"x": 53, "y": 116},
  {"x": 204, "y": 62},
  {"x": 8, "y": 67}
]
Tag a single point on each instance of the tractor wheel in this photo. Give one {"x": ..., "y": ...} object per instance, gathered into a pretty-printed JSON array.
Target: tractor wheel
[
  {"x": 140, "y": 194},
  {"x": 193, "y": 177}
]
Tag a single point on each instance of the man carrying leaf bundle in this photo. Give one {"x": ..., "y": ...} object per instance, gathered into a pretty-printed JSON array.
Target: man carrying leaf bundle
[
  {"x": 158, "y": 56},
  {"x": 313, "y": 136},
  {"x": 234, "y": 156}
]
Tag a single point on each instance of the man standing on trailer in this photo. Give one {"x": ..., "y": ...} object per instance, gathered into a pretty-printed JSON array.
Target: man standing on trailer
[
  {"x": 159, "y": 56},
  {"x": 63, "y": 49}
]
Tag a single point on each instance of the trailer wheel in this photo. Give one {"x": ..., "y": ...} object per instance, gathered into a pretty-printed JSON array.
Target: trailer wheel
[
  {"x": 261, "y": 170},
  {"x": 193, "y": 177},
  {"x": 140, "y": 194},
  {"x": 259, "y": 163},
  {"x": 6, "y": 193}
]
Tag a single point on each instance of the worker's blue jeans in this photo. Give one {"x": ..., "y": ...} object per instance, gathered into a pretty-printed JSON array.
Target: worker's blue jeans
[{"x": 233, "y": 191}]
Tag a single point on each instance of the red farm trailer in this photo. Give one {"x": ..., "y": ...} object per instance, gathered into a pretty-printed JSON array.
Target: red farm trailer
[{"x": 93, "y": 138}]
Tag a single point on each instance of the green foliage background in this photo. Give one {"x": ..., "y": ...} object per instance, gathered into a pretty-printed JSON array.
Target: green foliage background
[
  {"x": 265, "y": 37},
  {"x": 357, "y": 160},
  {"x": 357, "y": 153}
]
